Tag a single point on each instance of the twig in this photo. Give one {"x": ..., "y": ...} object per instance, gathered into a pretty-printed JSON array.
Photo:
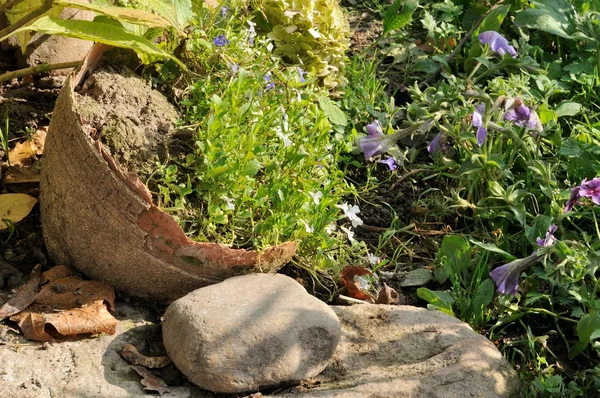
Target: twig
[
  {"x": 351, "y": 300},
  {"x": 4, "y": 33},
  {"x": 9, "y": 4},
  {"x": 459, "y": 45},
  {"x": 33, "y": 70}
]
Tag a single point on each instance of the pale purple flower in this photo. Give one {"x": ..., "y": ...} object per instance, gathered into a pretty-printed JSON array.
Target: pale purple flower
[
  {"x": 376, "y": 142},
  {"x": 301, "y": 73},
  {"x": 478, "y": 115},
  {"x": 549, "y": 239},
  {"x": 591, "y": 189},
  {"x": 224, "y": 11},
  {"x": 497, "y": 43},
  {"x": 574, "y": 199},
  {"x": 506, "y": 277},
  {"x": 251, "y": 33},
  {"x": 390, "y": 163},
  {"x": 220, "y": 40},
  {"x": 270, "y": 84},
  {"x": 522, "y": 116},
  {"x": 234, "y": 67},
  {"x": 438, "y": 144}
]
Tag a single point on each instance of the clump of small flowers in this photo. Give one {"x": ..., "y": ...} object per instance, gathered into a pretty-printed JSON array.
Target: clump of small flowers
[{"x": 221, "y": 40}]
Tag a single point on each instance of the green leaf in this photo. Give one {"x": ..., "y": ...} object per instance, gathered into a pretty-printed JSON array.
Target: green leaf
[
  {"x": 131, "y": 15},
  {"x": 455, "y": 253},
  {"x": 333, "y": 112},
  {"x": 416, "y": 277},
  {"x": 392, "y": 20},
  {"x": 568, "y": 108},
  {"x": 441, "y": 301},
  {"x": 483, "y": 297},
  {"x": 99, "y": 32},
  {"x": 492, "y": 248},
  {"x": 492, "y": 21},
  {"x": 552, "y": 16},
  {"x": 252, "y": 167},
  {"x": 183, "y": 12},
  {"x": 577, "y": 349},
  {"x": 588, "y": 325}
]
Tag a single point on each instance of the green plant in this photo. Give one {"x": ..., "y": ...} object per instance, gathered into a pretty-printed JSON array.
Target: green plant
[{"x": 311, "y": 33}]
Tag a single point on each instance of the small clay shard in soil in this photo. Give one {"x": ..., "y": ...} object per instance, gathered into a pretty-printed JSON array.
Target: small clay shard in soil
[
  {"x": 150, "y": 381},
  {"x": 349, "y": 277},
  {"x": 387, "y": 295},
  {"x": 24, "y": 295},
  {"x": 132, "y": 355}
]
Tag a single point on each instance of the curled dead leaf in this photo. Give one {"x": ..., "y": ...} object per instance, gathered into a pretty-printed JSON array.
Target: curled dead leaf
[
  {"x": 133, "y": 356},
  {"x": 57, "y": 272},
  {"x": 348, "y": 276},
  {"x": 150, "y": 381},
  {"x": 73, "y": 292},
  {"x": 24, "y": 295},
  {"x": 387, "y": 295},
  {"x": 93, "y": 319}
]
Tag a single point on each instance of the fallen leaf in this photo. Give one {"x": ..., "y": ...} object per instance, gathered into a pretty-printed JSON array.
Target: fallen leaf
[
  {"x": 349, "y": 275},
  {"x": 93, "y": 319},
  {"x": 74, "y": 292},
  {"x": 150, "y": 381},
  {"x": 14, "y": 207},
  {"x": 24, "y": 153},
  {"x": 133, "y": 356},
  {"x": 444, "y": 43},
  {"x": 24, "y": 295},
  {"x": 57, "y": 272},
  {"x": 387, "y": 295}
]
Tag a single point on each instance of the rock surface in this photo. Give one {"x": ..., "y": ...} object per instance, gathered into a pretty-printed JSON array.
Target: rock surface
[
  {"x": 403, "y": 351},
  {"x": 248, "y": 332}
]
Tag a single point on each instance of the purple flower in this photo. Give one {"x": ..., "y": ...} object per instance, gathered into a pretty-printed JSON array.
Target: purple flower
[
  {"x": 591, "y": 189},
  {"x": 478, "y": 122},
  {"x": 574, "y": 199},
  {"x": 506, "y": 277},
  {"x": 372, "y": 144},
  {"x": 220, "y": 40},
  {"x": 497, "y": 43},
  {"x": 301, "y": 73},
  {"x": 549, "y": 239},
  {"x": 390, "y": 162},
  {"x": 522, "y": 116},
  {"x": 234, "y": 67},
  {"x": 438, "y": 144},
  {"x": 224, "y": 11},
  {"x": 270, "y": 84}
]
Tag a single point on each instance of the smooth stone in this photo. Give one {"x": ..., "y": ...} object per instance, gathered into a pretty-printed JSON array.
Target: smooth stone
[
  {"x": 250, "y": 332},
  {"x": 404, "y": 351}
]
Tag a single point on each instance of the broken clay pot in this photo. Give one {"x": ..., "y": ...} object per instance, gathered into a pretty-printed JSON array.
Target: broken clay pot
[{"x": 102, "y": 221}]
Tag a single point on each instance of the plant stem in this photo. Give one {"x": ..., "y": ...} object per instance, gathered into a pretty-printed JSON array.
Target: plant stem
[
  {"x": 33, "y": 70},
  {"x": 596, "y": 223},
  {"x": 545, "y": 311},
  {"x": 5, "y": 33},
  {"x": 9, "y": 4}
]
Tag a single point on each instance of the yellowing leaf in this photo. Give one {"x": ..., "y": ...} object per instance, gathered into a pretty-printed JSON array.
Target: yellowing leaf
[
  {"x": 14, "y": 207},
  {"x": 131, "y": 15}
]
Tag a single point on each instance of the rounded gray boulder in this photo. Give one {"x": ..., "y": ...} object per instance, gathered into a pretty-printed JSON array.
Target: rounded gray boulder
[{"x": 250, "y": 332}]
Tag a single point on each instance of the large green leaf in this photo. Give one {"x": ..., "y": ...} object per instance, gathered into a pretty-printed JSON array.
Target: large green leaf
[
  {"x": 552, "y": 16},
  {"x": 131, "y": 15},
  {"x": 99, "y": 32},
  {"x": 568, "y": 108},
  {"x": 455, "y": 253},
  {"x": 587, "y": 326},
  {"x": 392, "y": 20},
  {"x": 492, "y": 21},
  {"x": 483, "y": 297},
  {"x": 178, "y": 12},
  {"x": 441, "y": 301}
]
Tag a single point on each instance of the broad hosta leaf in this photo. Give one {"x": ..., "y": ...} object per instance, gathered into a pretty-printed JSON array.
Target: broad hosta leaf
[
  {"x": 14, "y": 207},
  {"x": 99, "y": 32},
  {"x": 131, "y": 15},
  {"x": 393, "y": 20}
]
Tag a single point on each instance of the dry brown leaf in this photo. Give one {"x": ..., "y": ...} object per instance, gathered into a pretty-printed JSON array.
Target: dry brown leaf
[
  {"x": 133, "y": 356},
  {"x": 150, "y": 381},
  {"x": 20, "y": 175},
  {"x": 93, "y": 319},
  {"x": 24, "y": 153},
  {"x": 55, "y": 273},
  {"x": 74, "y": 292},
  {"x": 429, "y": 46},
  {"x": 387, "y": 295},
  {"x": 24, "y": 295},
  {"x": 348, "y": 276}
]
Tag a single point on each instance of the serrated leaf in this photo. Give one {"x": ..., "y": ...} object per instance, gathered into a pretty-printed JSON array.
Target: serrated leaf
[
  {"x": 333, "y": 112},
  {"x": 14, "y": 207},
  {"x": 392, "y": 20}
]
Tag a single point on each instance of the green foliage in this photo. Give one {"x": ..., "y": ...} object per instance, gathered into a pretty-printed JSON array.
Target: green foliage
[{"x": 311, "y": 33}]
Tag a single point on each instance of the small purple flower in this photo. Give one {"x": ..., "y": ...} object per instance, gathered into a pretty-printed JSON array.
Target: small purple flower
[
  {"x": 220, "y": 40},
  {"x": 390, "y": 163},
  {"x": 224, "y": 11},
  {"x": 270, "y": 83},
  {"x": 301, "y": 73},
  {"x": 549, "y": 239},
  {"x": 478, "y": 122},
  {"x": 234, "y": 67},
  {"x": 438, "y": 144},
  {"x": 522, "y": 116},
  {"x": 506, "y": 277},
  {"x": 371, "y": 145},
  {"x": 591, "y": 189},
  {"x": 574, "y": 199},
  {"x": 497, "y": 43}
]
